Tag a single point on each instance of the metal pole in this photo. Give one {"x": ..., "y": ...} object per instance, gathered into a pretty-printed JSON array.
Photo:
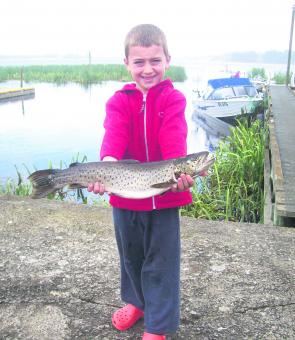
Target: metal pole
[
  {"x": 89, "y": 58},
  {"x": 290, "y": 46}
]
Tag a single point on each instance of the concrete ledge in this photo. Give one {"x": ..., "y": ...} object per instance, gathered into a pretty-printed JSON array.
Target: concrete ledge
[{"x": 59, "y": 276}]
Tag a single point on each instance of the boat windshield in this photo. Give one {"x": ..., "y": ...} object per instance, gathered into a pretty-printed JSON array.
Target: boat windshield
[
  {"x": 240, "y": 91},
  {"x": 222, "y": 93},
  {"x": 251, "y": 91},
  {"x": 231, "y": 92}
]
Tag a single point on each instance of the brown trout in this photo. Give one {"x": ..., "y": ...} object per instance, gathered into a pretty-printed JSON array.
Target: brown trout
[{"x": 125, "y": 178}]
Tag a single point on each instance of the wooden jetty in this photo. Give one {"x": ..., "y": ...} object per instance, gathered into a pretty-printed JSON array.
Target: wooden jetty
[
  {"x": 22, "y": 92},
  {"x": 280, "y": 157}
]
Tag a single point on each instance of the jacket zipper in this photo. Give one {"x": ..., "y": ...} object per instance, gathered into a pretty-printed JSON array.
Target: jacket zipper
[{"x": 145, "y": 140}]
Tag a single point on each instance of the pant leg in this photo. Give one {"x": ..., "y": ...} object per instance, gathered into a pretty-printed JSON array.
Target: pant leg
[
  {"x": 129, "y": 236},
  {"x": 161, "y": 272},
  {"x": 149, "y": 250}
]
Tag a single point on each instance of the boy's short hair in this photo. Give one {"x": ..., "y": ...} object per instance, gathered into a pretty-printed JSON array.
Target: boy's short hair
[{"x": 146, "y": 35}]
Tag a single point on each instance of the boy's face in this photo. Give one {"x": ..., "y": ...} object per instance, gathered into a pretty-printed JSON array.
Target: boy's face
[{"x": 147, "y": 65}]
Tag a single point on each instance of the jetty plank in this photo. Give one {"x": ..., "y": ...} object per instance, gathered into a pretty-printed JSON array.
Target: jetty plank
[
  {"x": 16, "y": 92},
  {"x": 282, "y": 155}
]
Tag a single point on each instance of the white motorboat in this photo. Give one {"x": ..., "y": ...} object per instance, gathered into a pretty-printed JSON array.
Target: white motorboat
[{"x": 227, "y": 98}]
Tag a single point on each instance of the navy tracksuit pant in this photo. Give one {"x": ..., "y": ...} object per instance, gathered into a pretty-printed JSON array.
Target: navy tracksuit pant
[{"x": 149, "y": 250}]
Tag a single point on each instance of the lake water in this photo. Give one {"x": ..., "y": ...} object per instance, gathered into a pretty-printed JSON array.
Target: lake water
[{"x": 62, "y": 121}]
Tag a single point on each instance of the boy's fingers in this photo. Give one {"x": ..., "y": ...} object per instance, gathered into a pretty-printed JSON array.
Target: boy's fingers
[
  {"x": 98, "y": 188},
  {"x": 90, "y": 187},
  {"x": 184, "y": 182},
  {"x": 102, "y": 189},
  {"x": 187, "y": 181},
  {"x": 203, "y": 173},
  {"x": 190, "y": 180}
]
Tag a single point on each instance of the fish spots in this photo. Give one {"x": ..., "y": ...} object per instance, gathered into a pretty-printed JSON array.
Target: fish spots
[{"x": 131, "y": 180}]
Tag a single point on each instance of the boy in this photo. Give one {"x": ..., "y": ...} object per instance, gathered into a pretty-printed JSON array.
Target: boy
[{"x": 145, "y": 121}]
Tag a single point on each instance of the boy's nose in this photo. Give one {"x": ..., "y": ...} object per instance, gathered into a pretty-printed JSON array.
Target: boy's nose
[{"x": 147, "y": 68}]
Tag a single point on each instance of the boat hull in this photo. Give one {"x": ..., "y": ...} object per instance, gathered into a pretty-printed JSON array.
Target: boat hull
[{"x": 227, "y": 109}]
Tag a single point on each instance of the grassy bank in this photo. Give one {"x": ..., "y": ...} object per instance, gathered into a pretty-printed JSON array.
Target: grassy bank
[
  {"x": 233, "y": 191},
  {"x": 83, "y": 74}
]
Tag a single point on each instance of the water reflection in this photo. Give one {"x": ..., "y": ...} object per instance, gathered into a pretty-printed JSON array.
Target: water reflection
[
  {"x": 57, "y": 124},
  {"x": 209, "y": 129},
  {"x": 21, "y": 99}
]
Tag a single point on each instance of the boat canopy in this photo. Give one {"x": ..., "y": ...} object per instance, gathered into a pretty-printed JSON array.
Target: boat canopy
[{"x": 224, "y": 82}]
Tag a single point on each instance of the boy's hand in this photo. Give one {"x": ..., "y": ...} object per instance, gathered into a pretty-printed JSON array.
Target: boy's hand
[
  {"x": 98, "y": 187},
  {"x": 203, "y": 173},
  {"x": 185, "y": 182}
]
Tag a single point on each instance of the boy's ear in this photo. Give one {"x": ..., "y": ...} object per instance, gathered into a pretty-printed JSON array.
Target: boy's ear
[
  {"x": 168, "y": 59},
  {"x": 126, "y": 63}
]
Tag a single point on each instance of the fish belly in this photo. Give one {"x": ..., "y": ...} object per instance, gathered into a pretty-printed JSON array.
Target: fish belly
[{"x": 137, "y": 194}]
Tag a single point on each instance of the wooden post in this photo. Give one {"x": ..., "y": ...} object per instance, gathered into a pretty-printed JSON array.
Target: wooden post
[{"x": 21, "y": 76}]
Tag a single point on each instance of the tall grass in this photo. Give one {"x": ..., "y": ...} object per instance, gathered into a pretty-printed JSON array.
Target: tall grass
[
  {"x": 280, "y": 78},
  {"x": 22, "y": 187},
  {"x": 257, "y": 72},
  {"x": 17, "y": 187},
  {"x": 233, "y": 191},
  {"x": 83, "y": 74}
]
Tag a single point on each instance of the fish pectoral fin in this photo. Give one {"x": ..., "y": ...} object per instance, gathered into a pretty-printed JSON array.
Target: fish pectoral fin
[
  {"x": 74, "y": 186},
  {"x": 164, "y": 184}
]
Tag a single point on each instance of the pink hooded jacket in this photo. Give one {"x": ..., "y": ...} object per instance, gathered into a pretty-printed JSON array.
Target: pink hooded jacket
[{"x": 146, "y": 129}]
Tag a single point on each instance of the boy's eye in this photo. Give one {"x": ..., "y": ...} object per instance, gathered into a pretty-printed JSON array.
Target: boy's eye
[
  {"x": 155, "y": 61},
  {"x": 138, "y": 62}
]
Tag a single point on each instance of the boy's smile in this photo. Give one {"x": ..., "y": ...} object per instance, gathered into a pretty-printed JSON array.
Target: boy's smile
[{"x": 147, "y": 65}]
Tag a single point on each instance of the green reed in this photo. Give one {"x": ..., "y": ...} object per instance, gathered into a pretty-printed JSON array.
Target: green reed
[
  {"x": 233, "y": 190},
  {"x": 22, "y": 187},
  {"x": 17, "y": 186},
  {"x": 83, "y": 74},
  {"x": 257, "y": 72},
  {"x": 280, "y": 78}
]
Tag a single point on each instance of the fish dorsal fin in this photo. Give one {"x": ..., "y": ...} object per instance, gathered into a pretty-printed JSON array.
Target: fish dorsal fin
[
  {"x": 74, "y": 164},
  {"x": 125, "y": 161},
  {"x": 128, "y": 161},
  {"x": 164, "y": 184}
]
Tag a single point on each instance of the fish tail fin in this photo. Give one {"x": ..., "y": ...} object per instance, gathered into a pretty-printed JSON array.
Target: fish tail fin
[{"x": 43, "y": 183}]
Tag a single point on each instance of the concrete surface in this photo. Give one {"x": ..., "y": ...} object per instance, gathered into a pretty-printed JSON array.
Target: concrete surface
[{"x": 59, "y": 276}]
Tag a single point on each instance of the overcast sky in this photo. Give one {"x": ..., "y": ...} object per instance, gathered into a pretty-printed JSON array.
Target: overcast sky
[{"x": 193, "y": 27}]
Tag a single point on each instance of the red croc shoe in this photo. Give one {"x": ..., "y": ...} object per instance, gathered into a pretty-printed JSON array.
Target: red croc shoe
[
  {"x": 126, "y": 317},
  {"x": 150, "y": 336}
]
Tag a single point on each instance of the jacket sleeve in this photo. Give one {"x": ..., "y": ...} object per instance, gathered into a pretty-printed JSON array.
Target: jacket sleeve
[
  {"x": 173, "y": 131},
  {"x": 116, "y": 126}
]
